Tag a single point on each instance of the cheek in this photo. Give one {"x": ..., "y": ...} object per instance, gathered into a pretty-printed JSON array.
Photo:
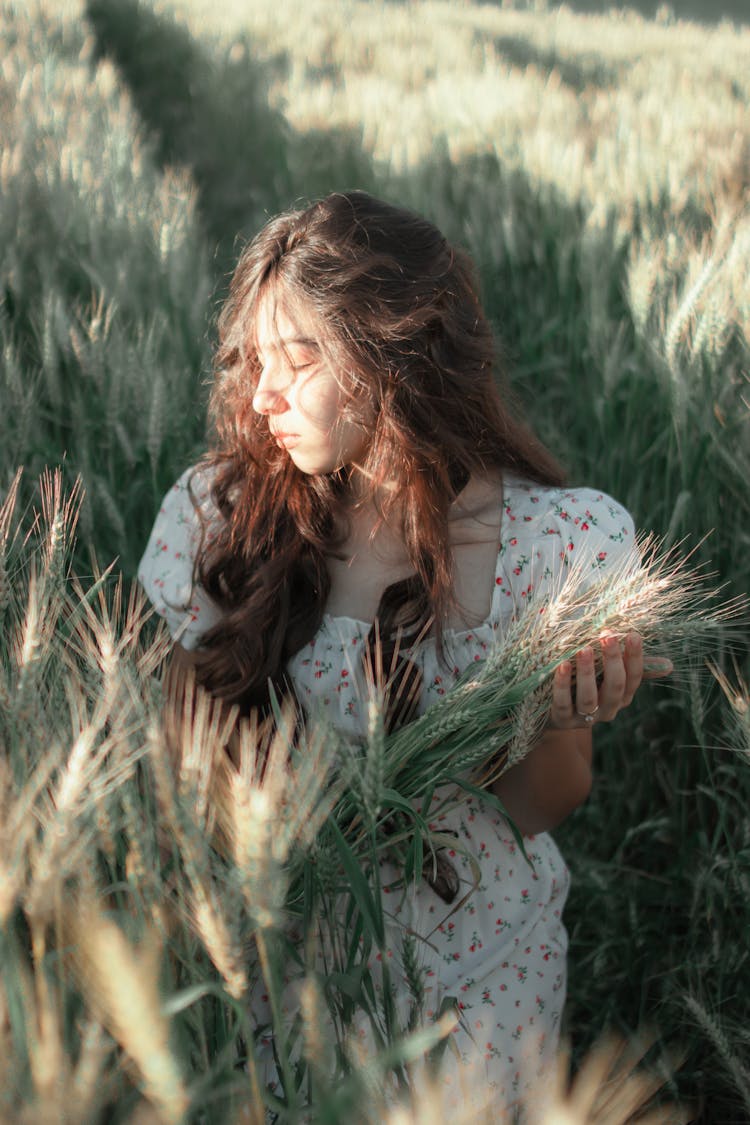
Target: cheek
[{"x": 321, "y": 402}]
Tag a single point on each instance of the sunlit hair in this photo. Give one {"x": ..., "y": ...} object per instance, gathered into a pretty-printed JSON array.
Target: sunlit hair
[{"x": 399, "y": 319}]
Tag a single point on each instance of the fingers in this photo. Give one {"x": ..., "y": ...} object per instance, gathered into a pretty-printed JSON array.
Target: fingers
[
  {"x": 571, "y": 702},
  {"x": 655, "y": 666},
  {"x": 581, "y": 699},
  {"x": 612, "y": 694},
  {"x": 587, "y": 699},
  {"x": 633, "y": 665},
  {"x": 562, "y": 714}
]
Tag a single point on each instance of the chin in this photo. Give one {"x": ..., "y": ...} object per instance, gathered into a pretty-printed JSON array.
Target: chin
[{"x": 313, "y": 467}]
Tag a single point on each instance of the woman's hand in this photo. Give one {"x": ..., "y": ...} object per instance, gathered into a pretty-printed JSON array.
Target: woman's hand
[
  {"x": 555, "y": 776},
  {"x": 579, "y": 700}
]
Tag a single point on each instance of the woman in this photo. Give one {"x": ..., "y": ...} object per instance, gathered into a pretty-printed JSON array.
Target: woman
[{"x": 369, "y": 490}]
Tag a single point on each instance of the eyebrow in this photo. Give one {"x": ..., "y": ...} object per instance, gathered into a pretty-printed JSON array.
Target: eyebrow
[{"x": 298, "y": 341}]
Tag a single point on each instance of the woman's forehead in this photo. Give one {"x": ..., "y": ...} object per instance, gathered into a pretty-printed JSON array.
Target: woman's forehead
[{"x": 277, "y": 325}]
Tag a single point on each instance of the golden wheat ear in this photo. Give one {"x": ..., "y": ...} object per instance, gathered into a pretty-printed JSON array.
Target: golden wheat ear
[
  {"x": 119, "y": 981},
  {"x": 613, "y": 1088}
]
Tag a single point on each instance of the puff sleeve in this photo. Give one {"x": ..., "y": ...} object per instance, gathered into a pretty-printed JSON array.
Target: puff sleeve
[
  {"x": 552, "y": 534},
  {"x": 166, "y": 570}
]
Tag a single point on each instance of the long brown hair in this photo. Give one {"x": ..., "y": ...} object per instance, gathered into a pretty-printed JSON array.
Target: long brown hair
[{"x": 399, "y": 313}]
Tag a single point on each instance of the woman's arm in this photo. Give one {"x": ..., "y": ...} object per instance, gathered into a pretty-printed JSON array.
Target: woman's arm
[
  {"x": 549, "y": 783},
  {"x": 555, "y": 777}
]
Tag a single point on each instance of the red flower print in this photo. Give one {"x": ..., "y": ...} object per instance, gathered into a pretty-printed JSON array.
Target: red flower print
[
  {"x": 514, "y": 542},
  {"x": 602, "y": 556},
  {"x": 344, "y": 672},
  {"x": 584, "y": 526},
  {"x": 498, "y": 581}
]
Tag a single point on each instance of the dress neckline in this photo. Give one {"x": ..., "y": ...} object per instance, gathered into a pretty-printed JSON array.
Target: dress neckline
[
  {"x": 488, "y": 622},
  {"x": 363, "y": 626}
]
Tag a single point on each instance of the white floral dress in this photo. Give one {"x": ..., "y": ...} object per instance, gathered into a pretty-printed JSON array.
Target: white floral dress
[{"x": 500, "y": 954}]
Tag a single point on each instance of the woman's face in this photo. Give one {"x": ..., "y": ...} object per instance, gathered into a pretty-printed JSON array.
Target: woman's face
[{"x": 311, "y": 412}]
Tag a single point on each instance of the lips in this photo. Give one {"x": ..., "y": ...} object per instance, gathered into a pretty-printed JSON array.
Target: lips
[{"x": 288, "y": 441}]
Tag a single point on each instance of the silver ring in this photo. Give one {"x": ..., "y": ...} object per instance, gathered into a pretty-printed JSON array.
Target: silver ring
[{"x": 588, "y": 716}]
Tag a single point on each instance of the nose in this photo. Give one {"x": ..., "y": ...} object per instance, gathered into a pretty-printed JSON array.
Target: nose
[
  {"x": 269, "y": 396},
  {"x": 268, "y": 401}
]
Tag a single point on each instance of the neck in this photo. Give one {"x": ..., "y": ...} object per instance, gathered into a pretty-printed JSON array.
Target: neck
[{"x": 362, "y": 489}]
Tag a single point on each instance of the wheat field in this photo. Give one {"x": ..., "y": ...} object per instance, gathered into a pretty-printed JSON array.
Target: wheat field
[{"x": 597, "y": 167}]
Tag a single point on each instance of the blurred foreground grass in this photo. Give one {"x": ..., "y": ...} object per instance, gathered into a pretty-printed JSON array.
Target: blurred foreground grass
[{"x": 598, "y": 169}]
